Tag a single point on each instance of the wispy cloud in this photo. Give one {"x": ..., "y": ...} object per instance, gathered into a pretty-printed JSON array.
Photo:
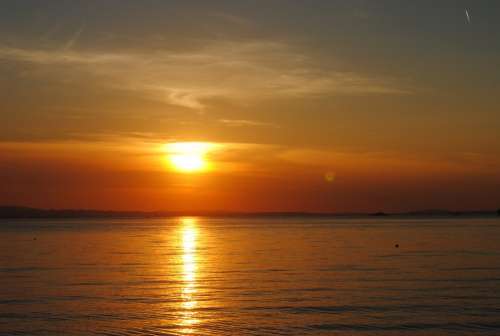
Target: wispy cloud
[
  {"x": 390, "y": 160},
  {"x": 235, "y": 70},
  {"x": 245, "y": 123},
  {"x": 233, "y": 19},
  {"x": 74, "y": 38},
  {"x": 61, "y": 57}
]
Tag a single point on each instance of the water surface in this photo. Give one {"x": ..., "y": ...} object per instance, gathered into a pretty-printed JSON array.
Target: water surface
[{"x": 280, "y": 276}]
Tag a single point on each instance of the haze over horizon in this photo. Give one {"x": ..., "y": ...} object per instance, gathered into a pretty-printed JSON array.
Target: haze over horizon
[{"x": 338, "y": 106}]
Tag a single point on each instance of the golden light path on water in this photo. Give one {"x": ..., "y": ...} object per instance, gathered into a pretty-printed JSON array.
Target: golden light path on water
[{"x": 189, "y": 232}]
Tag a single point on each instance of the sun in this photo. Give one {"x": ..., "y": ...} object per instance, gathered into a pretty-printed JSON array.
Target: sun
[
  {"x": 188, "y": 162},
  {"x": 188, "y": 157}
]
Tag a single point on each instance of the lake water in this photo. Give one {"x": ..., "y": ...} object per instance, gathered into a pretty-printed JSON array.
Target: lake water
[{"x": 280, "y": 276}]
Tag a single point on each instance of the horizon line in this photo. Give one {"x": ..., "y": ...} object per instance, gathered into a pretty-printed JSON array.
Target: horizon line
[{"x": 17, "y": 211}]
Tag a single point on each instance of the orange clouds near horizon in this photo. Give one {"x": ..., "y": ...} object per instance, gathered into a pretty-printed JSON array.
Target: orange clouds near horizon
[{"x": 251, "y": 178}]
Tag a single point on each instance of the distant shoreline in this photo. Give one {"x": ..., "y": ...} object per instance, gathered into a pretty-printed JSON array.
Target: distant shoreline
[{"x": 19, "y": 212}]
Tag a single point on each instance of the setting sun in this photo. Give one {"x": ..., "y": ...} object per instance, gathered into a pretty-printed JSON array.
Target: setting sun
[
  {"x": 188, "y": 157},
  {"x": 187, "y": 162}
]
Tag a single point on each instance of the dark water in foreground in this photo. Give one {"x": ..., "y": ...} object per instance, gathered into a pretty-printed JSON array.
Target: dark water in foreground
[{"x": 250, "y": 277}]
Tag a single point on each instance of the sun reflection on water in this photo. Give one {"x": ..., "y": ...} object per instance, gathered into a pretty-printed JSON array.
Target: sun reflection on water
[{"x": 189, "y": 267}]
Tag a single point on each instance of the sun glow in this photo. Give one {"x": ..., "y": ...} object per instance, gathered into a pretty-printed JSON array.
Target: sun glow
[{"x": 188, "y": 157}]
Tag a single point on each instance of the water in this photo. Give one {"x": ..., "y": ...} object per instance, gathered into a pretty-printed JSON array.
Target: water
[{"x": 301, "y": 276}]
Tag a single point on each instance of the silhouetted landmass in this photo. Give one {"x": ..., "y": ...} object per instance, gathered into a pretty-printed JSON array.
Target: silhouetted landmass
[
  {"x": 434, "y": 212},
  {"x": 26, "y": 212},
  {"x": 448, "y": 213},
  {"x": 379, "y": 214}
]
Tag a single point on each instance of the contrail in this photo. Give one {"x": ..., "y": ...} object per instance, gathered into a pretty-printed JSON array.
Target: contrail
[
  {"x": 71, "y": 42},
  {"x": 467, "y": 15}
]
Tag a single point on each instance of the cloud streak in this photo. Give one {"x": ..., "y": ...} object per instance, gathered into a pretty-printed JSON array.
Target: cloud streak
[
  {"x": 61, "y": 57},
  {"x": 233, "y": 70},
  {"x": 74, "y": 39},
  {"x": 245, "y": 123}
]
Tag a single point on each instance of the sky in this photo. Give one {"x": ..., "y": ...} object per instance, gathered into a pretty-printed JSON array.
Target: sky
[{"x": 323, "y": 106}]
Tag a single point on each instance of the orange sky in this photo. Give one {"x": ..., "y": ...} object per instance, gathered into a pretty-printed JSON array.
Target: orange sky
[
  {"x": 305, "y": 108},
  {"x": 128, "y": 175}
]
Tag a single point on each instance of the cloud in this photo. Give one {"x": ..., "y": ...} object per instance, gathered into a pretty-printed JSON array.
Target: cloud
[
  {"x": 233, "y": 19},
  {"x": 74, "y": 38},
  {"x": 391, "y": 160},
  {"x": 233, "y": 70},
  {"x": 245, "y": 123},
  {"x": 61, "y": 57}
]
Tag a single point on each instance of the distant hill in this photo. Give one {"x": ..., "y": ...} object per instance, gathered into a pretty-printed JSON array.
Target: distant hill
[{"x": 27, "y": 212}]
